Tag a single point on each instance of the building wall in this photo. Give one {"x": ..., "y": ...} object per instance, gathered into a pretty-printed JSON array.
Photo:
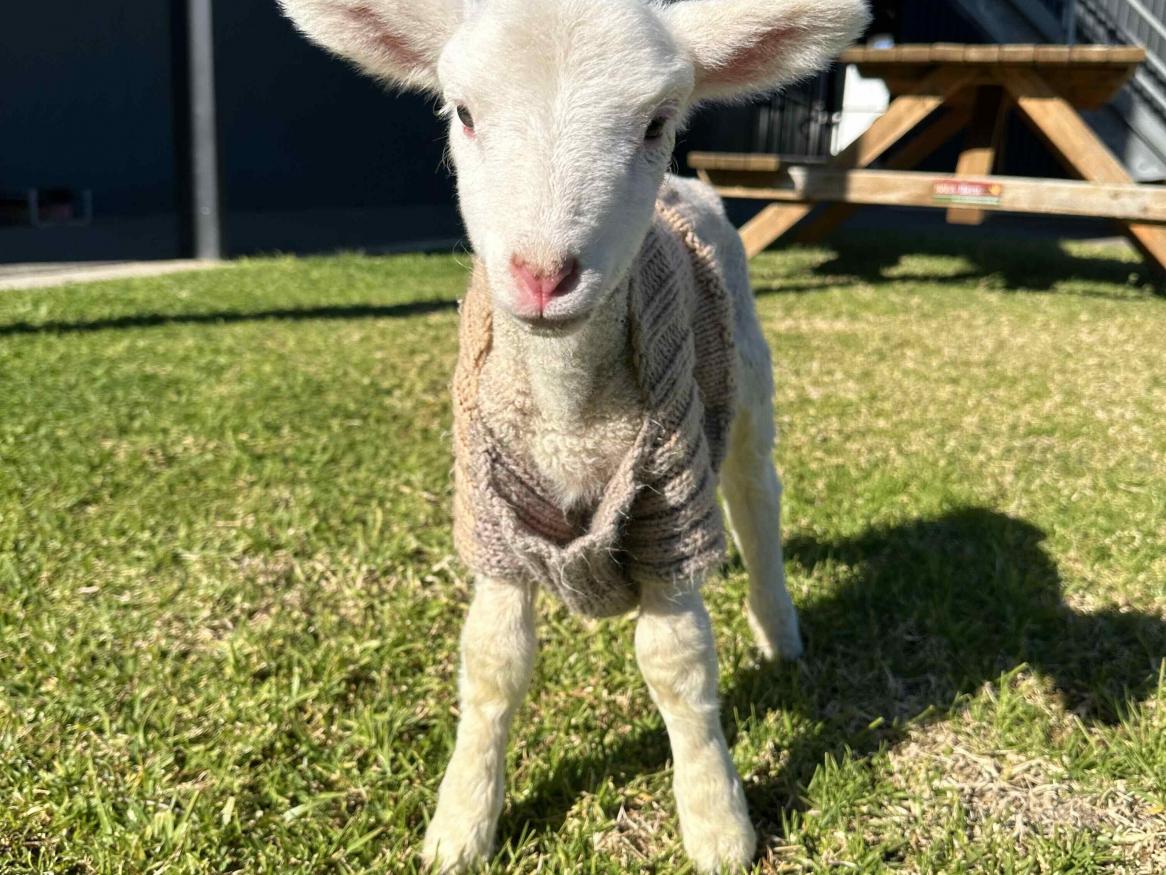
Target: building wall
[
  {"x": 85, "y": 101},
  {"x": 302, "y": 129}
]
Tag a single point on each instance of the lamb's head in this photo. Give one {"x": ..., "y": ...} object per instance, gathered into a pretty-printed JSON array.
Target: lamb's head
[{"x": 563, "y": 113}]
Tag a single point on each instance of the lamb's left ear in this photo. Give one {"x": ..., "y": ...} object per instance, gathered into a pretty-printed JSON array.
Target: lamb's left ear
[
  {"x": 742, "y": 47},
  {"x": 397, "y": 41}
]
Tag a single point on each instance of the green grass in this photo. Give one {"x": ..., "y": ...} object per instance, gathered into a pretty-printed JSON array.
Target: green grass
[{"x": 230, "y": 611}]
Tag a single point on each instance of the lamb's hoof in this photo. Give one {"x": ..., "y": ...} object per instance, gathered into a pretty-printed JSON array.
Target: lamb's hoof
[
  {"x": 724, "y": 847},
  {"x": 783, "y": 641},
  {"x": 455, "y": 847}
]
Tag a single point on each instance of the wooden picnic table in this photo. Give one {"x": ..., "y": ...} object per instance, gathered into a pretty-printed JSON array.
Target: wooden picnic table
[{"x": 938, "y": 91}]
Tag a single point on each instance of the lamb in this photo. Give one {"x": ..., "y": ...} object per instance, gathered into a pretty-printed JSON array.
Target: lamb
[{"x": 612, "y": 368}]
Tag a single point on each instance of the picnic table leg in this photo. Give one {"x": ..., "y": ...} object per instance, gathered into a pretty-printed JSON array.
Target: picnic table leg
[
  {"x": 769, "y": 224},
  {"x": 1058, "y": 123},
  {"x": 900, "y": 118},
  {"x": 984, "y": 136},
  {"x": 917, "y": 150}
]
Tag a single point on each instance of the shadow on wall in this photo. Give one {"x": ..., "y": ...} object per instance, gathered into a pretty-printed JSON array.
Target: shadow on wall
[
  {"x": 1017, "y": 265},
  {"x": 932, "y": 610}
]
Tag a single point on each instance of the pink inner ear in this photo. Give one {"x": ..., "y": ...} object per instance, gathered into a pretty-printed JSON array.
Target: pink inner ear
[
  {"x": 373, "y": 29},
  {"x": 752, "y": 63}
]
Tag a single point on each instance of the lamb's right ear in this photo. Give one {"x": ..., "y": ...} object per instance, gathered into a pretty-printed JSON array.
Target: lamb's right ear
[{"x": 398, "y": 41}]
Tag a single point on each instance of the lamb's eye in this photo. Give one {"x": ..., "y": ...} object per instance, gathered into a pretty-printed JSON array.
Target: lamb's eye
[
  {"x": 655, "y": 129},
  {"x": 465, "y": 118}
]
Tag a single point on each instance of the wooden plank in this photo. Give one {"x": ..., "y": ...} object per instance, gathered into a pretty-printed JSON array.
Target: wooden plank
[
  {"x": 741, "y": 161},
  {"x": 890, "y": 55},
  {"x": 1017, "y": 54},
  {"x": 769, "y": 224},
  {"x": 1052, "y": 55},
  {"x": 1022, "y": 53},
  {"x": 948, "y": 53},
  {"x": 733, "y": 161},
  {"x": 1088, "y": 53},
  {"x": 903, "y": 114},
  {"x": 1107, "y": 55},
  {"x": 989, "y": 54},
  {"x": 1008, "y": 194},
  {"x": 921, "y": 54},
  {"x": 984, "y": 136},
  {"x": 747, "y": 178},
  {"x": 918, "y": 149},
  {"x": 1075, "y": 143},
  {"x": 1097, "y": 72}
]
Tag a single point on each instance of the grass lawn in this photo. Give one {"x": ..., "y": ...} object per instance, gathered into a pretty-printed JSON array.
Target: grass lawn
[{"x": 229, "y": 609}]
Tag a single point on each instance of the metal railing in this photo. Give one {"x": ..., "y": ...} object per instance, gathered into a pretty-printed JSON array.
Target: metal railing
[{"x": 799, "y": 121}]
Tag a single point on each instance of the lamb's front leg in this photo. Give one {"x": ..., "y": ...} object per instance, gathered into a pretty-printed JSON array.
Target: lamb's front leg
[
  {"x": 497, "y": 653},
  {"x": 677, "y": 655}
]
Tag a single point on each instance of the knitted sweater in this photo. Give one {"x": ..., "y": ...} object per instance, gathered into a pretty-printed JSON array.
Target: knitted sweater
[{"x": 658, "y": 519}]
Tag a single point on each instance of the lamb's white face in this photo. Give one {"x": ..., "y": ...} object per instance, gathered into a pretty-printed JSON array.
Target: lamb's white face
[
  {"x": 562, "y": 122},
  {"x": 563, "y": 113}
]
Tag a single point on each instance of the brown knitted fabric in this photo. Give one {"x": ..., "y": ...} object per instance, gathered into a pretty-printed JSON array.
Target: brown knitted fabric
[{"x": 658, "y": 518}]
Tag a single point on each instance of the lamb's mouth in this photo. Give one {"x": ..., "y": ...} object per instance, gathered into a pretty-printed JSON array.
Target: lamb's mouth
[{"x": 552, "y": 326}]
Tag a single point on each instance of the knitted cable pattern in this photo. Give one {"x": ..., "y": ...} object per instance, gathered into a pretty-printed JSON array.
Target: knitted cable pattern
[{"x": 658, "y": 519}]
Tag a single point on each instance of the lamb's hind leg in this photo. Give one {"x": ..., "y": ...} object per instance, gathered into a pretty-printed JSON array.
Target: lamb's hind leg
[
  {"x": 676, "y": 653},
  {"x": 498, "y": 645},
  {"x": 752, "y": 492}
]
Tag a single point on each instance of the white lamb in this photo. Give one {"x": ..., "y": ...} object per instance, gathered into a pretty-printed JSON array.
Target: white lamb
[{"x": 563, "y": 115}]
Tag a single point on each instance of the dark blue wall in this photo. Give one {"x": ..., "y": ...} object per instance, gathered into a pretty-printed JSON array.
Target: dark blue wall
[
  {"x": 302, "y": 129},
  {"x": 85, "y": 101}
]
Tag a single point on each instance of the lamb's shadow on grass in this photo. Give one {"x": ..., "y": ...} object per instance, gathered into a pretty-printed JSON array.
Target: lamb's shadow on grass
[
  {"x": 1026, "y": 265},
  {"x": 290, "y": 314},
  {"x": 931, "y": 610}
]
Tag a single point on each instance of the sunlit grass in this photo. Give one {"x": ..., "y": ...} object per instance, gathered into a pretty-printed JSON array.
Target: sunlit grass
[{"x": 229, "y": 606}]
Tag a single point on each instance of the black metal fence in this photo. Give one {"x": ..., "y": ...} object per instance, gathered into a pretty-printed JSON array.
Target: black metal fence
[{"x": 800, "y": 120}]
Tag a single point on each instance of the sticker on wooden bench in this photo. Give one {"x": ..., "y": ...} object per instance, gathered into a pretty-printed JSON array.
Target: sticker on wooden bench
[{"x": 965, "y": 192}]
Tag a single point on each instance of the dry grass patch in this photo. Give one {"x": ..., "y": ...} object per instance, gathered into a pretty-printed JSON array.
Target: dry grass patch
[{"x": 1013, "y": 803}]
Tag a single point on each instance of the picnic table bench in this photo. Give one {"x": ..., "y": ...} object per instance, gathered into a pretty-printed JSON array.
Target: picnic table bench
[{"x": 938, "y": 91}]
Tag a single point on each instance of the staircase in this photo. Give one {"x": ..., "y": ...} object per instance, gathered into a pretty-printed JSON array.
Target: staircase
[{"x": 1134, "y": 125}]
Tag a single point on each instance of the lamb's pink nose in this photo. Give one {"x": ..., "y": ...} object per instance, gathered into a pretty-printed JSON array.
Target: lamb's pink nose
[{"x": 539, "y": 286}]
